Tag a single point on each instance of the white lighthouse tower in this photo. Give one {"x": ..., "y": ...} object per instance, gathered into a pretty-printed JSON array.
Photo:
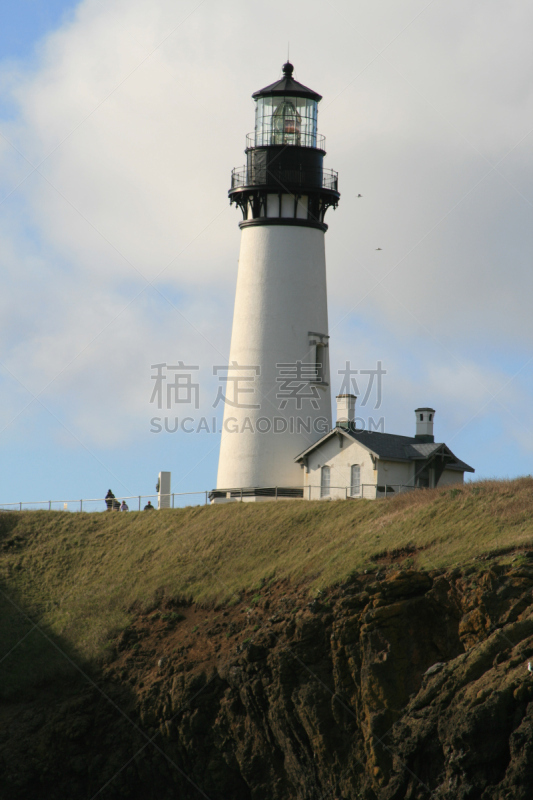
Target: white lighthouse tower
[{"x": 277, "y": 395}]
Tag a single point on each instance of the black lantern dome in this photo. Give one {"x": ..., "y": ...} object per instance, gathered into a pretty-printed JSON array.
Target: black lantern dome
[
  {"x": 287, "y": 86},
  {"x": 285, "y": 158}
]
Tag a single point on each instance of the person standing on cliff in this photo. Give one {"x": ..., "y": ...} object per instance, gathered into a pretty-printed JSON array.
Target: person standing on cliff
[{"x": 109, "y": 500}]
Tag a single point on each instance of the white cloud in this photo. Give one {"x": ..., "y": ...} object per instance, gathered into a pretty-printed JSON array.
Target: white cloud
[{"x": 137, "y": 140}]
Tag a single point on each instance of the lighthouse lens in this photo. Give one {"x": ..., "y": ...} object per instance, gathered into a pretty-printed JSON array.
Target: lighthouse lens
[{"x": 285, "y": 121}]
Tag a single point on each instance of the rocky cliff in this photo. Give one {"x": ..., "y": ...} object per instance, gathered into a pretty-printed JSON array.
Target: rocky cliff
[{"x": 394, "y": 684}]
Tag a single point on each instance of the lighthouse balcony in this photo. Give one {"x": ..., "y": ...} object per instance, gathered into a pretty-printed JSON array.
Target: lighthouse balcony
[
  {"x": 298, "y": 196},
  {"x": 284, "y": 179}
]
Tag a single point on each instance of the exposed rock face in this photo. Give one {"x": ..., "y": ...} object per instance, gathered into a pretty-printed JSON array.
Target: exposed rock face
[{"x": 392, "y": 686}]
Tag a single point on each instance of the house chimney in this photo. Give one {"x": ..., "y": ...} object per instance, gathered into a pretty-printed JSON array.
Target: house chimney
[
  {"x": 345, "y": 410},
  {"x": 424, "y": 424}
]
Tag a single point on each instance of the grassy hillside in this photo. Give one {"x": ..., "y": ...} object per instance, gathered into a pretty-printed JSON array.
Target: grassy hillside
[{"x": 80, "y": 577}]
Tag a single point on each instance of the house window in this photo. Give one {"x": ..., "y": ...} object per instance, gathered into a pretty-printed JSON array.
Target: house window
[
  {"x": 324, "y": 482},
  {"x": 423, "y": 479},
  {"x": 355, "y": 480}
]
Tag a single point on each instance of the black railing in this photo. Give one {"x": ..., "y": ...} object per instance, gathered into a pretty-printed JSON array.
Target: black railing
[
  {"x": 287, "y": 179},
  {"x": 271, "y": 138}
]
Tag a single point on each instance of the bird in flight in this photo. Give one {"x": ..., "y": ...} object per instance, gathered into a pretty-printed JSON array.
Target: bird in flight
[
  {"x": 359, "y": 195},
  {"x": 379, "y": 248}
]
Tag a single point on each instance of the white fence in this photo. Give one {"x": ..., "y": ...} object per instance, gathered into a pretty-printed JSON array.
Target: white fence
[
  {"x": 183, "y": 499},
  {"x": 134, "y": 503}
]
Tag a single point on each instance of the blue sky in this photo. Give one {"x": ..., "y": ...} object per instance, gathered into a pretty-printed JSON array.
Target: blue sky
[
  {"x": 23, "y": 24},
  {"x": 120, "y": 124}
]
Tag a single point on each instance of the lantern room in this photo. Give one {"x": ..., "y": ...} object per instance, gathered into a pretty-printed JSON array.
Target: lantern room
[
  {"x": 286, "y": 113},
  {"x": 284, "y": 176},
  {"x": 285, "y": 120}
]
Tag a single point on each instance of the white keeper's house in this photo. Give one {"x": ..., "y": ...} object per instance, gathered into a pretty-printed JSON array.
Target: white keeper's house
[{"x": 350, "y": 462}]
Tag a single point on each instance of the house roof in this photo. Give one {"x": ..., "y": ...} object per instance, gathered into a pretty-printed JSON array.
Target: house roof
[{"x": 392, "y": 447}]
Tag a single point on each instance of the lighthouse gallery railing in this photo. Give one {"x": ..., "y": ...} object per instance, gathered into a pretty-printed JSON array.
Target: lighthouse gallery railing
[
  {"x": 282, "y": 178},
  {"x": 270, "y": 138}
]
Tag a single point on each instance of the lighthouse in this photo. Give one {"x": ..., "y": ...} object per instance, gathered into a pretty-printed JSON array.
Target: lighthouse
[{"x": 277, "y": 384}]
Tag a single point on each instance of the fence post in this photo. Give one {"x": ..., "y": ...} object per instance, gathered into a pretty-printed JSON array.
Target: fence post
[
  {"x": 309, "y": 487},
  {"x": 172, "y": 499},
  {"x": 81, "y": 506},
  {"x": 139, "y": 502},
  {"x": 241, "y": 494},
  {"x": 276, "y": 490},
  {"x": 49, "y": 505},
  {"x": 20, "y": 504},
  {"x": 206, "y": 498}
]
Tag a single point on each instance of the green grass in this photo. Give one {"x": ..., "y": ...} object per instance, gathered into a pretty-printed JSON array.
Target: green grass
[{"x": 83, "y": 576}]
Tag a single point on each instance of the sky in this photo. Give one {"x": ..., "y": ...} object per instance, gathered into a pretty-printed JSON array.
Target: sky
[{"x": 120, "y": 123}]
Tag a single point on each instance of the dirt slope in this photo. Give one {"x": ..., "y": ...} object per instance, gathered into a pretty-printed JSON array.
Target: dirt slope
[{"x": 396, "y": 683}]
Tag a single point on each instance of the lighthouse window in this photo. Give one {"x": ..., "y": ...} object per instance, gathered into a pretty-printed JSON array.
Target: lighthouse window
[
  {"x": 321, "y": 364},
  {"x": 421, "y": 418},
  {"x": 301, "y": 207},
  {"x": 287, "y": 205},
  {"x": 320, "y": 356},
  {"x": 324, "y": 482}
]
